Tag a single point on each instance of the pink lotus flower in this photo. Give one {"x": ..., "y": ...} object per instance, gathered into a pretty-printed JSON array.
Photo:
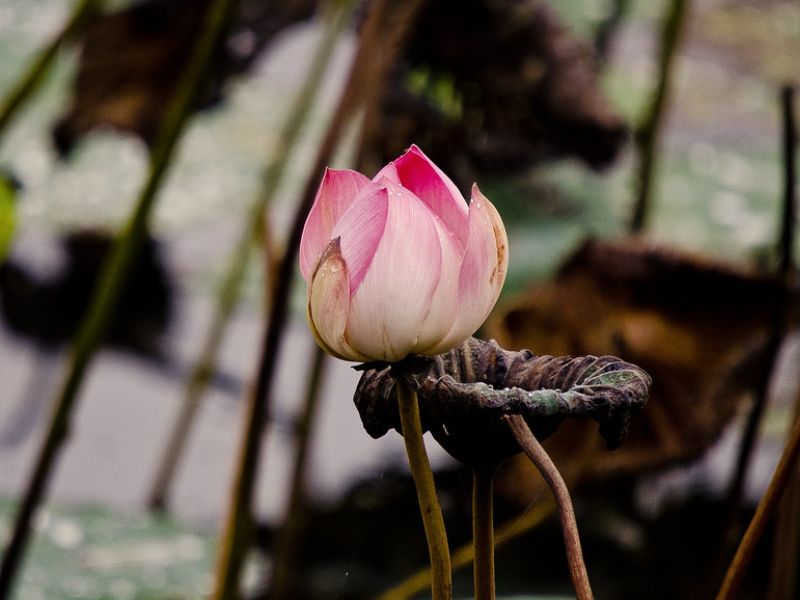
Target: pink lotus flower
[{"x": 400, "y": 264}]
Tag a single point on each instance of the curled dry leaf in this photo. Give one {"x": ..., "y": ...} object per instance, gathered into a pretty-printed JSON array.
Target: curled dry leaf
[
  {"x": 465, "y": 392},
  {"x": 699, "y": 328}
]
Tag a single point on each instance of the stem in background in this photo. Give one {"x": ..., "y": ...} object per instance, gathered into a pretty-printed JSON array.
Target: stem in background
[
  {"x": 607, "y": 28},
  {"x": 285, "y": 570},
  {"x": 463, "y": 556},
  {"x": 783, "y": 578},
  {"x": 766, "y": 507},
  {"x": 230, "y": 289},
  {"x": 780, "y": 313},
  {"x": 533, "y": 449},
  {"x": 201, "y": 373},
  {"x": 648, "y": 135},
  {"x": 785, "y": 557},
  {"x": 789, "y": 218},
  {"x": 36, "y": 71},
  {"x": 112, "y": 280},
  {"x": 432, "y": 520},
  {"x": 483, "y": 533},
  {"x": 381, "y": 36}
]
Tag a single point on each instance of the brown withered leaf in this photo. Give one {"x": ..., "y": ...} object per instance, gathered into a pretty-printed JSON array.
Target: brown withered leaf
[
  {"x": 131, "y": 60},
  {"x": 524, "y": 89},
  {"x": 700, "y": 329}
]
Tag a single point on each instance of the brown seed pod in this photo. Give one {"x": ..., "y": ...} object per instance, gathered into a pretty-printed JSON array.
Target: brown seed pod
[{"x": 464, "y": 393}]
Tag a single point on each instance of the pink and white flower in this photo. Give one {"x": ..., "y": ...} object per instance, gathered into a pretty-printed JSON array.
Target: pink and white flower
[{"x": 399, "y": 264}]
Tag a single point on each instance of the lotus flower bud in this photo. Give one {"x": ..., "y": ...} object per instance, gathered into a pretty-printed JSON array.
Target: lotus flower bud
[{"x": 399, "y": 264}]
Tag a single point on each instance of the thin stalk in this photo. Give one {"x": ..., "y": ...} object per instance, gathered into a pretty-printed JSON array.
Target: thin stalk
[
  {"x": 229, "y": 291},
  {"x": 789, "y": 217},
  {"x": 607, "y": 28},
  {"x": 483, "y": 533},
  {"x": 649, "y": 133},
  {"x": 533, "y": 449},
  {"x": 201, "y": 373},
  {"x": 764, "y": 511},
  {"x": 780, "y": 314},
  {"x": 432, "y": 521},
  {"x": 36, "y": 71},
  {"x": 463, "y": 556},
  {"x": 289, "y": 540},
  {"x": 783, "y": 577},
  {"x": 786, "y": 547},
  {"x": 382, "y": 33},
  {"x": 111, "y": 282}
]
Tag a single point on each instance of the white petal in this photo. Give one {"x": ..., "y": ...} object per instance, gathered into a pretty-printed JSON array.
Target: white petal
[
  {"x": 444, "y": 301},
  {"x": 483, "y": 270},
  {"x": 394, "y": 298}
]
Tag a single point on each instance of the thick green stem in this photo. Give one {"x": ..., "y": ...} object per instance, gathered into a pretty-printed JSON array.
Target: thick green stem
[
  {"x": 483, "y": 533},
  {"x": 112, "y": 280},
  {"x": 230, "y": 288},
  {"x": 649, "y": 133},
  {"x": 432, "y": 520},
  {"x": 569, "y": 526},
  {"x": 36, "y": 71}
]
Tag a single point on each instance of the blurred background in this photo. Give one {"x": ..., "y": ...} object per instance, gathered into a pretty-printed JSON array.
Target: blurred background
[{"x": 570, "y": 115}]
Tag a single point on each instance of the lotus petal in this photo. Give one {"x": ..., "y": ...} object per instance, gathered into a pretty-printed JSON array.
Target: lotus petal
[
  {"x": 338, "y": 190},
  {"x": 394, "y": 299},
  {"x": 329, "y": 303}
]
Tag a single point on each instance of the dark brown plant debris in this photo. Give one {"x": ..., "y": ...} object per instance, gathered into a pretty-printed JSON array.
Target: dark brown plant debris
[
  {"x": 131, "y": 59},
  {"x": 497, "y": 84},
  {"x": 50, "y": 309},
  {"x": 464, "y": 393},
  {"x": 481, "y": 84}
]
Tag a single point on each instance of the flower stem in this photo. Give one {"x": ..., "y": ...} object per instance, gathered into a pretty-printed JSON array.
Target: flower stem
[
  {"x": 429, "y": 507},
  {"x": 112, "y": 281},
  {"x": 464, "y": 555},
  {"x": 533, "y": 449},
  {"x": 483, "y": 533}
]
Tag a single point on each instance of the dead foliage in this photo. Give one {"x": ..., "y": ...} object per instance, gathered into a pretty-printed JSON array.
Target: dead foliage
[{"x": 699, "y": 328}]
